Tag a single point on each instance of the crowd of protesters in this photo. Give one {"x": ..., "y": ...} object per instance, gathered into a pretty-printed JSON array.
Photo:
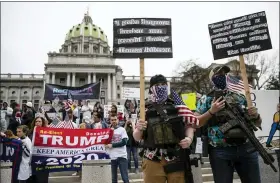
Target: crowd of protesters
[{"x": 19, "y": 123}]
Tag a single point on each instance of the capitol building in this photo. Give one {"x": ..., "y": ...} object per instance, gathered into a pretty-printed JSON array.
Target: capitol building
[{"x": 85, "y": 57}]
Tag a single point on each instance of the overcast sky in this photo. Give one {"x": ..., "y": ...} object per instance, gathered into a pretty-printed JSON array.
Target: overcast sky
[{"x": 29, "y": 30}]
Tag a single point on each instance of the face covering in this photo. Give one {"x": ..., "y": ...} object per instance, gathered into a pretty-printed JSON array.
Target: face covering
[
  {"x": 220, "y": 81},
  {"x": 159, "y": 93}
]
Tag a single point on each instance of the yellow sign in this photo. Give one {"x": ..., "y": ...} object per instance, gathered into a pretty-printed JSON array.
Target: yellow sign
[{"x": 190, "y": 100}]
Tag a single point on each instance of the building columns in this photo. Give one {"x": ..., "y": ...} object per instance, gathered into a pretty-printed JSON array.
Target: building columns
[
  {"x": 73, "y": 79},
  {"x": 114, "y": 90},
  {"x": 47, "y": 75},
  {"x": 53, "y": 78},
  {"x": 94, "y": 78},
  {"x": 19, "y": 94},
  {"x": 31, "y": 94},
  {"x": 7, "y": 94},
  {"x": 68, "y": 79},
  {"x": 89, "y": 78},
  {"x": 109, "y": 87}
]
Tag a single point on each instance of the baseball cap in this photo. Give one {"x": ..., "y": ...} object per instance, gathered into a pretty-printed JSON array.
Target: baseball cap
[{"x": 217, "y": 70}]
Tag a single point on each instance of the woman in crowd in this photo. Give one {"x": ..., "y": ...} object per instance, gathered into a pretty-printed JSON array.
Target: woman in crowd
[
  {"x": 15, "y": 121},
  {"x": 24, "y": 168},
  {"x": 38, "y": 177}
]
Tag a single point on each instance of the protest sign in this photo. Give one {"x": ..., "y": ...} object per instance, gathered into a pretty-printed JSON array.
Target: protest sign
[
  {"x": 239, "y": 36},
  {"x": 130, "y": 93},
  {"x": 190, "y": 100},
  {"x": 142, "y": 38},
  {"x": 89, "y": 91},
  {"x": 107, "y": 109},
  {"x": 57, "y": 149},
  {"x": 11, "y": 151}
]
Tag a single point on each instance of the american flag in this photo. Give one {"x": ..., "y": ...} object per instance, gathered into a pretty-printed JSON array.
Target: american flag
[
  {"x": 236, "y": 85},
  {"x": 183, "y": 110},
  {"x": 62, "y": 124}
]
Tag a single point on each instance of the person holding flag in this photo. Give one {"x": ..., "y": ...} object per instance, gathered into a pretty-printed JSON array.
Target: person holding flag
[
  {"x": 157, "y": 156},
  {"x": 227, "y": 152}
]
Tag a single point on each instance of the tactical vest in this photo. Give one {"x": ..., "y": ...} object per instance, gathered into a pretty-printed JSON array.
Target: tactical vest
[{"x": 160, "y": 133}]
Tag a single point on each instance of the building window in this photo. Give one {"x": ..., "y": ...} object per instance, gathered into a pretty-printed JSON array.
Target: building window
[
  {"x": 25, "y": 92},
  {"x": 37, "y": 92},
  {"x": 62, "y": 80},
  {"x": 65, "y": 49},
  {"x": 2, "y": 91},
  {"x": 105, "y": 50},
  {"x": 86, "y": 49},
  {"x": 12, "y": 101},
  {"x": 36, "y": 104},
  {"x": 118, "y": 87},
  {"x": 13, "y": 92},
  {"x": 102, "y": 101},
  {"x": 119, "y": 103},
  {"x": 101, "y": 79},
  {"x": 119, "y": 96},
  {"x": 23, "y": 103},
  {"x": 1, "y": 101},
  {"x": 82, "y": 81},
  {"x": 74, "y": 49},
  {"x": 95, "y": 49},
  {"x": 102, "y": 94}
]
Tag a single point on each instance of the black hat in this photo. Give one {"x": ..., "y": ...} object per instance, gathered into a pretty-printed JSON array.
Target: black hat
[{"x": 157, "y": 79}]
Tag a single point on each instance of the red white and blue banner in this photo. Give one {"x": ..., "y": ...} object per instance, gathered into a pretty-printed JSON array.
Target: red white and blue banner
[
  {"x": 11, "y": 151},
  {"x": 57, "y": 149}
]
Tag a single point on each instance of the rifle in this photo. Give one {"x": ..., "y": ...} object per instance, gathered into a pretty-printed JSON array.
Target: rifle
[{"x": 241, "y": 120}]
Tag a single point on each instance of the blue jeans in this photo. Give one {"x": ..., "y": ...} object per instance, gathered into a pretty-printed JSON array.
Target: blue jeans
[
  {"x": 135, "y": 156},
  {"x": 274, "y": 127},
  {"x": 224, "y": 160},
  {"x": 122, "y": 164}
]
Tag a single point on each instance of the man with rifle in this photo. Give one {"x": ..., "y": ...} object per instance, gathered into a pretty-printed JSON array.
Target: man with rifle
[
  {"x": 165, "y": 136},
  {"x": 230, "y": 131}
]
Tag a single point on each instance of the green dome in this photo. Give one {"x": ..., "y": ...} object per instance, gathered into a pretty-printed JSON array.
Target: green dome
[{"x": 87, "y": 29}]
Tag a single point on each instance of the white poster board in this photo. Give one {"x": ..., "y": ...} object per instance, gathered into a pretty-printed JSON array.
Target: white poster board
[
  {"x": 266, "y": 101},
  {"x": 107, "y": 108},
  {"x": 131, "y": 93}
]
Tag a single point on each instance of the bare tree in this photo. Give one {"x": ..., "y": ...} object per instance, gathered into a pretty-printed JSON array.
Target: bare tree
[
  {"x": 262, "y": 68},
  {"x": 193, "y": 78}
]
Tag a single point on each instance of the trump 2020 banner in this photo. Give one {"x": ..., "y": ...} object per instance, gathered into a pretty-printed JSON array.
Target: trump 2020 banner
[
  {"x": 11, "y": 151},
  {"x": 57, "y": 149},
  {"x": 89, "y": 91}
]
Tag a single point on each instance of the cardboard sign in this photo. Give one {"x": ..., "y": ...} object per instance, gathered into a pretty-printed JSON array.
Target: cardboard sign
[
  {"x": 190, "y": 100},
  {"x": 107, "y": 108},
  {"x": 142, "y": 38},
  {"x": 239, "y": 36},
  {"x": 131, "y": 93}
]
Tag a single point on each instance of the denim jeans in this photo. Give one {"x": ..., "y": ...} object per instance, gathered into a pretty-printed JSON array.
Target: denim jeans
[
  {"x": 122, "y": 164},
  {"x": 224, "y": 160},
  {"x": 274, "y": 127},
  {"x": 135, "y": 156}
]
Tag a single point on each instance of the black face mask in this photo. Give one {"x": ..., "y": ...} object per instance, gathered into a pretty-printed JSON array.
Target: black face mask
[{"x": 220, "y": 81}]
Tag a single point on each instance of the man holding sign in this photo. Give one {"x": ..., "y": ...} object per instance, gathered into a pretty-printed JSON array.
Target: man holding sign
[
  {"x": 227, "y": 151},
  {"x": 165, "y": 136}
]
